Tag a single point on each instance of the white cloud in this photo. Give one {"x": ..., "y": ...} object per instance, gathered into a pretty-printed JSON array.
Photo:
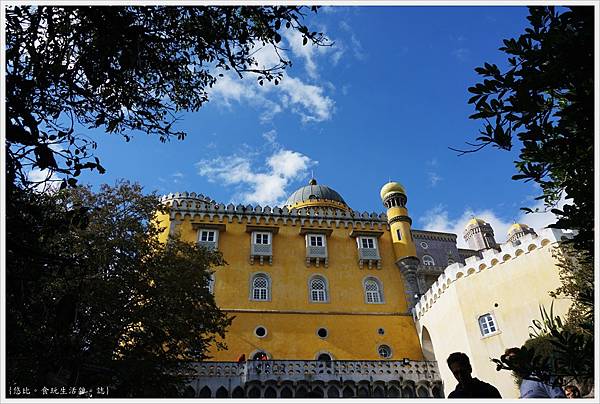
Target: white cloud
[
  {"x": 357, "y": 48},
  {"x": 438, "y": 219},
  {"x": 270, "y": 136},
  {"x": 43, "y": 181},
  {"x": 263, "y": 184},
  {"x": 434, "y": 178},
  {"x": 307, "y": 100}
]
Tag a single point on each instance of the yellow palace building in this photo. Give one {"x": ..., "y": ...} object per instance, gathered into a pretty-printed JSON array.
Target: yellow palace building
[{"x": 326, "y": 293}]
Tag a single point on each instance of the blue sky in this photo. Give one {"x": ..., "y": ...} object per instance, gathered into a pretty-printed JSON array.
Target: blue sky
[{"x": 384, "y": 102}]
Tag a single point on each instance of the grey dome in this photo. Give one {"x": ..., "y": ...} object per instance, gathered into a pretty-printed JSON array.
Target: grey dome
[{"x": 314, "y": 191}]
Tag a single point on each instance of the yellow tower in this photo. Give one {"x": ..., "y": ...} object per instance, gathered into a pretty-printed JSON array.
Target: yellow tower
[
  {"x": 393, "y": 196},
  {"x": 394, "y": 199}
]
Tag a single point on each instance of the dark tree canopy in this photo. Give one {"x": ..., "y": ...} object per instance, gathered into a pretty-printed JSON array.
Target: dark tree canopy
[
  {"x": 123, "y": 69},
  {"x": 545, "y": 101},
  {"x": 95, "y": 299}
]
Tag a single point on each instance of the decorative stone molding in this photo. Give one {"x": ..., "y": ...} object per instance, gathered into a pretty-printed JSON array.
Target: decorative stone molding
[
  {"x": 491, "y": 258},
  {"x": 201, "y": 208},
  {"x": 406, "y": 377},
  {"x": 408, "y": 267}
]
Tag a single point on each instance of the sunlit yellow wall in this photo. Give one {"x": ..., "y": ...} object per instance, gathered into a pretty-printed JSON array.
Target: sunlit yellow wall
[
  {"x": 518, "y": 287},
  {"x": 290, "y": 318}
]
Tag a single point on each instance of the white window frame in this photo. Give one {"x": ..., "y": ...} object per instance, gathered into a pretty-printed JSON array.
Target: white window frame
[
  {"x": 208, "y": 233},
  {"x": 253, "y": 279},
  {"x": 309, "y": 240},
  {"x": 378, "y": 295},
  {"x": 325, "y": 292},
  {"x": 428, "y": 260},
  {"x": 262, "y": 235},
  {"x": 373, "y": 240},
  {"x": 488, "y": 326}
]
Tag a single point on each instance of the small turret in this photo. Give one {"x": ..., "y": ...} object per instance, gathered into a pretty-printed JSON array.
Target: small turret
[
  {"x": 517, "y": 231},
  {"x": 394, "y": 199},
  {"x": 479, "y": 235}
]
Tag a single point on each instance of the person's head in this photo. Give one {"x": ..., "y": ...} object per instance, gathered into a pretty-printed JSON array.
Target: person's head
[
  {"x": 572, "y": 391},
  {"x": 460, "y": 366},
  {"x": 511, "y": 356}
]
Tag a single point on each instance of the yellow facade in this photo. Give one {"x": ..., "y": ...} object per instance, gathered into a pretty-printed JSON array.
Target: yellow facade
[
  {"x": 355, "y": 328},
  {"x": 510, "y": 286}
]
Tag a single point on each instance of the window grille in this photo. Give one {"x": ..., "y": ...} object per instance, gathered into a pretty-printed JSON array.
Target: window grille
[
  {"x": 260, "y": 288},
  {"x": 373, "y": 294},
  {"x": 487, "y": 325},
  {"x": 318, "y": 290}
]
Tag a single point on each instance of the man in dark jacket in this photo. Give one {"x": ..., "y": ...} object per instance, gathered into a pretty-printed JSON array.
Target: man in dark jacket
[{"x": 468, "y": 387}]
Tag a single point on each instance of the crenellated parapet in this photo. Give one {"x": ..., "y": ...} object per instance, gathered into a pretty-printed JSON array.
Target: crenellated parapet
[
  {"x": 490, "y": 259},
  {"x": 201, "y": 208}
]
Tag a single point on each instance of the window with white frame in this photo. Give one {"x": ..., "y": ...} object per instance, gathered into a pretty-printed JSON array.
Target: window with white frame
[
  {"x": 372, "y": 291},
  {"x": 208, "y": 236},
  {"x": 260, "y": 287},
  {"x": 487, "y": 325},
  {"x": 428, "y": 260},
  {"x": 367, "y": 242},
  {"x": 316, "y": 240},
  {"x": 262, "y": 238},
  {"x": 318, "y": 289}
]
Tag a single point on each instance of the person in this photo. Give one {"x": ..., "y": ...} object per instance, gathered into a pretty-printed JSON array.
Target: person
[
  {"x": 468, "y": 386},
  {"x": 572, "y": 391},
  {"x": 531, "y": 388}
]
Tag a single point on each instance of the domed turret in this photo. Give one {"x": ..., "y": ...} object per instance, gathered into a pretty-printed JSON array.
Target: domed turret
[
  {"x": 479, "y": 235},
  {"x": 391, "y": 188},
  {"x": 314, "y": 195},
  {"x": 518, "y": 230},
  {"x": 394, "y": 199}
]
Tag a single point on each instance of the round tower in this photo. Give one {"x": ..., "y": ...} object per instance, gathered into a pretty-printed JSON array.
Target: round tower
[{"x": 394, "y": 199}]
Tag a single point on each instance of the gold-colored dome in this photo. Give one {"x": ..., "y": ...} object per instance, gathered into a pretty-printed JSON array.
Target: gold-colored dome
[
  {"x": 475, "y": 221},
  {"x": 516, "y": 227},
  {"x": 391, "y": 187}
]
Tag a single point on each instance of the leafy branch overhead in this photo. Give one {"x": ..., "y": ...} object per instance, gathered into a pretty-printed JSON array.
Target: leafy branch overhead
[
  {"x": 124, "y": 70},
  {"x": 544, "y": 103}
]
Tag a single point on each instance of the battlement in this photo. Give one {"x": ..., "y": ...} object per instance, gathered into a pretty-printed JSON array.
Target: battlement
[
  {"x": 491, "y": 258},
  {"x": 200, "y": 207}
]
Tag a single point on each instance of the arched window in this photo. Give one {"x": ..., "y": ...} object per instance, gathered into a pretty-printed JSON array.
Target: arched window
[
  {"x": 261, "y": 287},
  {"x": 487, "y": 325},
  {"x": 318, "y": 289},
  {"x": 428, "y": 260},
  {"x": 373, "y": 291}
]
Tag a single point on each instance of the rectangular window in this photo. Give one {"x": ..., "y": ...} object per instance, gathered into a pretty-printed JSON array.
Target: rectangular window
[
  {"x": 261, "y": 238},
  {"x": 367, "y": 242},
  {"x": 207, "y": 235},
  {"x": 316, "y": 241},
  {"x": 399, "y": 234}
]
